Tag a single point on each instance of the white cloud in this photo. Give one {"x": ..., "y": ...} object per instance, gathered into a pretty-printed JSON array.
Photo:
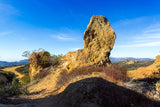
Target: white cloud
[
  {"x": 6, "y": 9},
  {"x": 74, "y": 49},
  {"x": 64, "y": 37},
  {"x": 5, "y": 33},
  {"x": 150, "y": 37},
  {"x": 129, "y": 22},
  {"x": 149, "y": 44},
  {"x": 61, "y": 37},
  {"x": 67, "y": 35},
  {"x": 152, "y": 30}
]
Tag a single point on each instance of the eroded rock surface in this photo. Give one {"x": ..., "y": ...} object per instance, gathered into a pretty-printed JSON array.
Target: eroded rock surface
[
  {"x": 98, "y": 39},
  {"x": 38, "y": 61},
  {"x": 157, "y": 59}
]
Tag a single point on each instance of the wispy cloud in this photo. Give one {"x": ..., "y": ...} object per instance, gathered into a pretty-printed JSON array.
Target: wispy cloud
[
  {"x": 129, "y": 22},
  {"x": 5, "y": 33},
  {"x": 74, "y": 49},
  {"x": 149, "y": 44},
  {"x": 150, "y": 37},
  {"x": 64, "y": 37},
  {"x": 6, "y": 9},
  {"x": 67, "y": 35},
  {"x": 152, "y": 30}
]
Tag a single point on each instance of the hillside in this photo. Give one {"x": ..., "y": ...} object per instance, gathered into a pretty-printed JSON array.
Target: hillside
[
  {"x": 116, "y": 60},
  {"x": 21, "y": 62},
  {"x": 13, "y": 69},
  {"x": 144, "y": 72}
]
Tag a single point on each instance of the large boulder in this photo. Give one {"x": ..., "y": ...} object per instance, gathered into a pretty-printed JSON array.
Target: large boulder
[
  {"x": 98, "y": 39},
  {"x": 157, "y": 59},
  {"x": 38, "y": 61}
]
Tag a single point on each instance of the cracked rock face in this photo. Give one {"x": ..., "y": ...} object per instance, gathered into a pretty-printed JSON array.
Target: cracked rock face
[{"x": 98, "y": 39}]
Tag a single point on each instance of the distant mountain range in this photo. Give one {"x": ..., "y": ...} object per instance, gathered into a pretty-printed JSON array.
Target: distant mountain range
[
  {"x": 115, "y": 60},
  {"x": 21, "y": 62}
]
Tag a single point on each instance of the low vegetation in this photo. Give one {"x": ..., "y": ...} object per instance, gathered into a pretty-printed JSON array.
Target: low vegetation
[
  {"x": 55, "y": 59},
  {"x": 9, "y": 75},
  {"x": 158, "y": 66},
  {"x": 114, "y": 73},
  {"x": 23, "y": 69},
  {"x": 25, "y": 79},
  {"x": 158, "y": 87},
  {"x": 1, "y": 68},
  {"x": 136, "y": 65},
  {"x": 14, "y": 86}
]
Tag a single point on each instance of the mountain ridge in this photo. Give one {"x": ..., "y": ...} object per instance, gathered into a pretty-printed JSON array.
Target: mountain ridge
[
  {"x": 21, "y": 62},
  {"x": 113, "y": 60},
  {"x": 119, "y": 59}
]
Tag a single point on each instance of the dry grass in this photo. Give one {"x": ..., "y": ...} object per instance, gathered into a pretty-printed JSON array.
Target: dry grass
[
  {"x": 58, "y": 79},
  {"x": 113, "y": 73},
  {"x": 143, "y": 72},
  {"x": 116, "y": 72},
  {"x": 12, "y": 69}
]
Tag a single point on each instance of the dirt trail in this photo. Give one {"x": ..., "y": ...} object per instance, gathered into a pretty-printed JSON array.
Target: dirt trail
[{"x": 12, "y": 69}]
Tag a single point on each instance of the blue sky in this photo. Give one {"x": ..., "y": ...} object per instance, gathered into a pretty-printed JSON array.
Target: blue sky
[{"x": 58, "y": 26}]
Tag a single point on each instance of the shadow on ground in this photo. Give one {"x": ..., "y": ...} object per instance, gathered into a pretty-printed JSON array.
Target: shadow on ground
[{"x": 93, "y": 92}]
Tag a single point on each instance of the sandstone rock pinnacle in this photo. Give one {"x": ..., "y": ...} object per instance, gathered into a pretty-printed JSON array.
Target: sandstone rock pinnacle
[{"x": 98, "y": 39}]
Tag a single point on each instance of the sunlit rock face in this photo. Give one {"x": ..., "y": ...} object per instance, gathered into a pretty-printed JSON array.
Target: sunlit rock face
[
  {"x": 157, "y": 59},
  {"x": 38, "y": 61},
  {"x": 99, "y": 40}
]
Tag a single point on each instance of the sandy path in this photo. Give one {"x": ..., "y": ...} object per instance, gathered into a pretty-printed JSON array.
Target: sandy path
[{"x": 12, "y": 69}]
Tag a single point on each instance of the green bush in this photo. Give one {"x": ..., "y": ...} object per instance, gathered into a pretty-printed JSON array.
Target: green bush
[
  {"x": 158, "y": 87},
  {"x": 157, "y": 66},
  {"x": 23, "y": 69},
  {"x": 44, "y": 59},
  {"x": 158, "y": 84},
  {"x": 55, "y": 59},
  {"x": 9, "y": 75},
  {"x": 1, "y": 68},
  {"x": 136, "y": 65},
  {"x": 25, "y": 79},
  {"x": 11, "y": 89}
]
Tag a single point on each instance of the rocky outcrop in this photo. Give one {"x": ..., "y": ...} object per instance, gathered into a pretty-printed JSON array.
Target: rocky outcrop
[
  {"x": 157, "y": 59},
  {"x": 38, "y": 61},
  {"x": 98, "y": 39},
  {"x": 146, "y": 72},
  {"x": 129, "y": 62}
]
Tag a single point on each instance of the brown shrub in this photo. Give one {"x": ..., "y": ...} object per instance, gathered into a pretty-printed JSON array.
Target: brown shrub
[
  {"x": 113, "y": 72},
  {"x": 116, "y": 72}
]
